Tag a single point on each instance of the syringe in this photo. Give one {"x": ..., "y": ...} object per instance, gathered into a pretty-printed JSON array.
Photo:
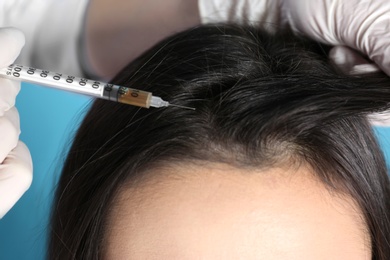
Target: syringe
[{"x": 84, "y": 86}]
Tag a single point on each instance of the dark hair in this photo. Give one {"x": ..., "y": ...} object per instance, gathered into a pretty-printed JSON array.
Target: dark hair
[{"x": 260, "y": 100}]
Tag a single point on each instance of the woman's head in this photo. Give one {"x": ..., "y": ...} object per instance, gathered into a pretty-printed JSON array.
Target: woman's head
[{"x": 278, "y": 156}]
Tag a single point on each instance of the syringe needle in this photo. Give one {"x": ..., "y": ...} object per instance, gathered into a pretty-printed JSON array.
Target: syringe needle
[{"x": 191, "y": 108}]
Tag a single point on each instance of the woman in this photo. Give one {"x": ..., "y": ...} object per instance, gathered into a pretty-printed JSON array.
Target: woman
[
  {"x": 277, "y": 161},
  {"x": 78, "y": 42}
]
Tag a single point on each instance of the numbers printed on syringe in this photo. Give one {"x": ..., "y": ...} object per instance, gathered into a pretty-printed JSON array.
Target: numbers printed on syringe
[{"x": 16, "y": 70}]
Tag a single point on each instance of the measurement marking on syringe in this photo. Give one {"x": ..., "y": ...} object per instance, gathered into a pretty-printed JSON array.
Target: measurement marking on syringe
[
  {"x": 49, "y": 78},
  {"x": 84, "y": 86}
]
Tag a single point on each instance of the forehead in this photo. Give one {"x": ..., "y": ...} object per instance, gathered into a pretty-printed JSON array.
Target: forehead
[{"x": 219, "y": 212}]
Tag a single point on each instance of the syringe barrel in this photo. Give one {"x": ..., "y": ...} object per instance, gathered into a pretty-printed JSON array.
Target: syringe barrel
[
  {"x": 53, "y": 80},
  {"x": 78, "y": 85}
]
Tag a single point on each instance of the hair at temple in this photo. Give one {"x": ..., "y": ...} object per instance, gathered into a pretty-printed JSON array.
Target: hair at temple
[{"x": 260, "y": 101}]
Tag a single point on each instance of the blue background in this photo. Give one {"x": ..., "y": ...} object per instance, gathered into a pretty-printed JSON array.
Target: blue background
[{"x": 49, "y": 119}]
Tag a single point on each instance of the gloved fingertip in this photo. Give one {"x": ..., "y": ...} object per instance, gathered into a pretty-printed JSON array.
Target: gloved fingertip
[
  {"x": 364, "y": 69},
  {"x": 347, "y": 57},
  {"x": 12, "y": 41},
  {"x": 338, "y": 55},
  {"x": 351, "y": 62},
  {"x": 15, "y": 33}
]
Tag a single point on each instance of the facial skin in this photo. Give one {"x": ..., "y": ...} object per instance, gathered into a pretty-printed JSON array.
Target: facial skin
[{"x": 215, "y": 211}]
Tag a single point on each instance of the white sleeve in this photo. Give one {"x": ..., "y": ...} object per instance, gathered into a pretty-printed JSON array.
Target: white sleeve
[
  {"x": 52, "y": 29},
  {"x": 264, "y": 13}
]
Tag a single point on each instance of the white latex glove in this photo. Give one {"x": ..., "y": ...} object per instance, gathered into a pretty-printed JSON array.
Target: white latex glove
[
  {"x": 353, "y": 26},
  {"x": 15, "y": 158},
  {"x": 363, "y": 25}
]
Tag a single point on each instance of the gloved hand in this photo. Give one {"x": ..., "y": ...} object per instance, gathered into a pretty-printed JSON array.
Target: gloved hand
[
  {"x": 15, "y": 158},
  {"x": 352, "y": 25},
  {"x": 363, "y": 25}
]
